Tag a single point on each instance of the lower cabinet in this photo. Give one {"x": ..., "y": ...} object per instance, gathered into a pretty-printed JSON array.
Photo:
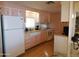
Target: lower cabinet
[
  {"x": 27, "y": 45},
  {"x": 32, "y": 42},
  {"x": 43, "y": 36},
  {"x": 37, "y": 39},
  {"x": 27, "y": 40}
]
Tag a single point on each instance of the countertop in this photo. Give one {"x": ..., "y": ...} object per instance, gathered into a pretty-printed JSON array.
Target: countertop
[
  {"x": 39, "y": 30},
  {"x": 36, "y": 32}
]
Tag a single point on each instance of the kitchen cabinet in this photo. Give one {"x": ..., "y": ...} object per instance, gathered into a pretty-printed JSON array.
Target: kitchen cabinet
[
  {"x": 31, "y": 41},
  {"x": 76, "y": 6},
  {"x": 44, "y": 17},
  {"x": 65, "y": 11},
  {"x": 38, "y": 39},
  {"x": 43, "y": 36},
  {"x": 27, "y": 40}
]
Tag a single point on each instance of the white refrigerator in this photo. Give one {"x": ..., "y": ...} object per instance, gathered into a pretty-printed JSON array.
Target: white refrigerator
[{"x": 12, "y": 35}]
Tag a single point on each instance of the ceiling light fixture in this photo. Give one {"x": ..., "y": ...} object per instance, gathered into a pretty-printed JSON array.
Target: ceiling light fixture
[{"x": 50, "y": 2}]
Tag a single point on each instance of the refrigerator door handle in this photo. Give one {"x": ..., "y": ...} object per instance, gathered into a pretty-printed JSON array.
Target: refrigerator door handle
[{"x": 2, "y": 32}]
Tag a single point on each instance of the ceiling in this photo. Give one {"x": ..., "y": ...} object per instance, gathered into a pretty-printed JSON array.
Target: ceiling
[{"x": 41, "y": 5}]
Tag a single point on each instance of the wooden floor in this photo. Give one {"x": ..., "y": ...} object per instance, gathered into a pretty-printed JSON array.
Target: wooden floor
[{"x": 42, "y": 50}]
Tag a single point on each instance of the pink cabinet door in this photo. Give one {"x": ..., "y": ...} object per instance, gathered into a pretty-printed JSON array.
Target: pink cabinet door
[
  {"x": 43, "y": 36},
  {"x": 27, "y": 40},
  {"x": 44, "y": 17},
  {"x": 33, "y": 41},
  {"x": 27, "y": 45}
]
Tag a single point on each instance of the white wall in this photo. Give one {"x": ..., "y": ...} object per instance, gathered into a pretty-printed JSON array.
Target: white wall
[
  {"x": 71, "y": 27},
  {"x": 72, "y": 17}
]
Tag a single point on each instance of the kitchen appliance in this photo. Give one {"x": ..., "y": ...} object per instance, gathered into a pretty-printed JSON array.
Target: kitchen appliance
[
  {"x": 65, "y": 30},
  {"x": 12, "y": 33},
  {"x": 43, "y": 26}
]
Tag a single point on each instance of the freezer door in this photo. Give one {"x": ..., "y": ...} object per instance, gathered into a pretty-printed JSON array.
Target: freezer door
[
  {"x": 14, "y": 42},
  {"x": 13, "y": 22}
]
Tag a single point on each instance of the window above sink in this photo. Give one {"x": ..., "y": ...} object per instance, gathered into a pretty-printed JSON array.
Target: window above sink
[{"x": 32, "y": 19}]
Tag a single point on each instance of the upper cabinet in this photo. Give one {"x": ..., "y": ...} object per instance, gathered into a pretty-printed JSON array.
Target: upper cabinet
[
  {"x": 44, "y": 17},
  {"x": 76, "y": 6},
  {"x": 65, "y": 11}
]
